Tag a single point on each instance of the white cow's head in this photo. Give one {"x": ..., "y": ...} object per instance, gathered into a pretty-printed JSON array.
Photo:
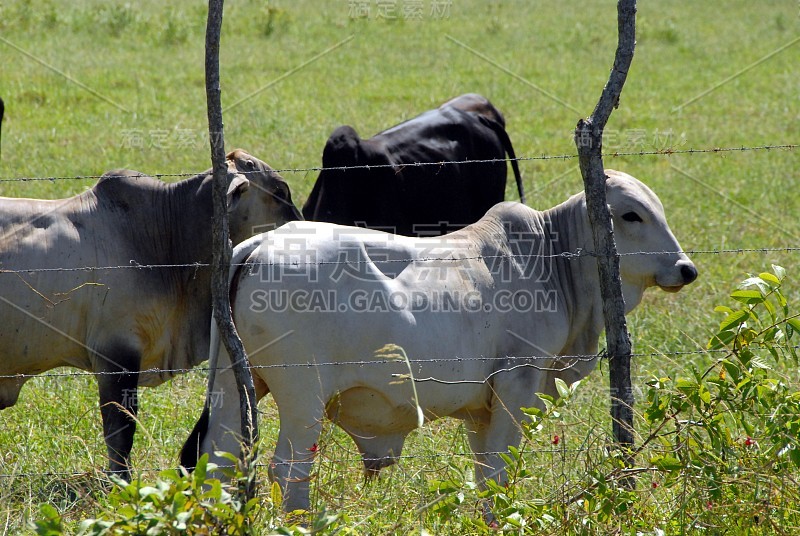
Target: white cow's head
[{"x": 640, "y": 226}]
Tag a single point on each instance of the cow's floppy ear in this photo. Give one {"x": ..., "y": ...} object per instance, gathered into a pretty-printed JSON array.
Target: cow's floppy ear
[
  {"x": 342, "y": 148},
  {"x": 238, "y": 186}
]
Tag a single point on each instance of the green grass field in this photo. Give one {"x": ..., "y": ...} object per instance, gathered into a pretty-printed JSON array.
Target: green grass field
[{"x": 90, "y": 86}]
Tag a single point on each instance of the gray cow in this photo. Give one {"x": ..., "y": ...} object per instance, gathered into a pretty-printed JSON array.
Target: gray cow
[{"x": 125, "y": 320}]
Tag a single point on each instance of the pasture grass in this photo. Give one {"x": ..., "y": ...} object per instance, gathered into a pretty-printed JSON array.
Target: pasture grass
[{"x": 145, "y": 110}]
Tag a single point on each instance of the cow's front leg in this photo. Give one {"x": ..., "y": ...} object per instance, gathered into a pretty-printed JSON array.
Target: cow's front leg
[
  {"x": 504, "y": 429},
  {"x": 118, "y": 382},
  {"x": 488, "y": 441},
  {"x": 477, "y": 436}
]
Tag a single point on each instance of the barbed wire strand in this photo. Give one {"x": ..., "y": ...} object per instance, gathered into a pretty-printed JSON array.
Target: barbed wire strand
[
  {"x": 99, "y": 475},
  {"x": 572, "y": 359},
  {"x": 291, "y": 263},
  {"x": 348, "y": 457},
  {"x": 351, "y": 456},
  {"x": 613, "y": 154}
]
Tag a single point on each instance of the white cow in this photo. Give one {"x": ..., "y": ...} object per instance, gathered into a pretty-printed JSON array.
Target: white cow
[{"x": 483, "y": 324}]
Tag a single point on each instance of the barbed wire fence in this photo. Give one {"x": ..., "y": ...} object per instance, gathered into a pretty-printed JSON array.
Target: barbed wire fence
[
  {"x": 526, "y": 360},
  {"x": 657, "y": 152}
]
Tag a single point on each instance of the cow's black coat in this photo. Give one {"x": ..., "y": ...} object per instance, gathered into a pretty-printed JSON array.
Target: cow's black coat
[{"x": 395, "y": 194}]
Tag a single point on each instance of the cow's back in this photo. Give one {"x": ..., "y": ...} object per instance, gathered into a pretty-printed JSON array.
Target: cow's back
[
  {"x": 420, "y": 181},
  {"x": 333, "y": 296},
  {"x": 476, "y": 104},
  {"x": 449, "y": 188}
]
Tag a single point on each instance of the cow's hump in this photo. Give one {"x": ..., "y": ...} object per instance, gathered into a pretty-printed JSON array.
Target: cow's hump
[{"x": 126, "y": 190}]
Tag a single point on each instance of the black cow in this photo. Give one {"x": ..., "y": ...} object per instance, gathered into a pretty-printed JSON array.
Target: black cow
[{"x": 417, "y": 200}]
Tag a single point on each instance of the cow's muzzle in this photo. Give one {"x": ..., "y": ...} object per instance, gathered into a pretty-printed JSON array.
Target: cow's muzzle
[{"x": 688, "y": 273}]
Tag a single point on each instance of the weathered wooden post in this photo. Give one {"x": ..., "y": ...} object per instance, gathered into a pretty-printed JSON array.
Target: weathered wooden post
[
  {"x": 589, "y": 140},
  {"x": 2, "y": 112},
  {"x": 221, "y": 243}
]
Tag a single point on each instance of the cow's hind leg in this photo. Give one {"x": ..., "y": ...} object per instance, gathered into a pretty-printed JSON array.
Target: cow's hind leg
[
  {"x": 220, "y": 427},
  {"x": 117, "y": 382},
  {"x": 301, "y": 425}
]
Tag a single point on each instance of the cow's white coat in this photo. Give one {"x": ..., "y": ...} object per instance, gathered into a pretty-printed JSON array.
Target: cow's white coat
[{"x": 311, "y": 349}]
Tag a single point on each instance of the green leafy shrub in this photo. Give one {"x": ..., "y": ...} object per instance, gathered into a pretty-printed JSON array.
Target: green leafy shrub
[
  {"x": 733, "y": 429},
  {"x": 180, "y": 502},
  {"x": 721, "y": 445},
  {"x": 177, "y": 503}
]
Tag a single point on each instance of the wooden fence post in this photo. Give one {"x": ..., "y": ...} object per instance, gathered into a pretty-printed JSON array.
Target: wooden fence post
[
  {"x": 222, "y": 246},
  {"x": 589, "y": 138}
]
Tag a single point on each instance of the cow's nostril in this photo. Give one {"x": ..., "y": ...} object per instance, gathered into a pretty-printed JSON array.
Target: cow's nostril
[{"x": 689, "y": 273}]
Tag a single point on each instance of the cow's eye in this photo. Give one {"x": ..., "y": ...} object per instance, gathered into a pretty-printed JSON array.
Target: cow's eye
[
  {"x": 281, "y": 191},
  {"x": 631, "y": 216}
]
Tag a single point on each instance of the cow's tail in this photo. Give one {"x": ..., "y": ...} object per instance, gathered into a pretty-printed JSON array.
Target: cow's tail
[
  {"x": 509, "y": 149},
  {"x": 191, "y": 449}
]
